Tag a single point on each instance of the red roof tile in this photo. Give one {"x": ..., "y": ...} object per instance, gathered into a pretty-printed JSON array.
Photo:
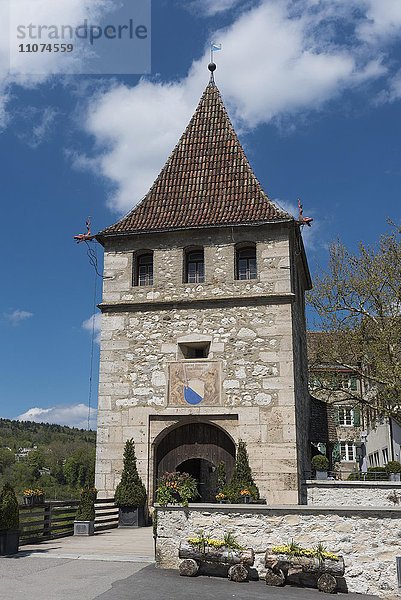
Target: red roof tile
[{"x": 207, "y": 180}]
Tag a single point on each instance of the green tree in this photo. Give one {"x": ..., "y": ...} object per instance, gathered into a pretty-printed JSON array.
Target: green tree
[
  {"x": 7, "y": 459},
  {"x": 358, "y": 304},
  {"x": 130, "y": 492},
  {"x": 79, "y": 468}
]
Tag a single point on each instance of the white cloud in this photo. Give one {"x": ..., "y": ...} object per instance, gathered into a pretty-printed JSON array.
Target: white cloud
[
  {"x": 13, "y": 12},
  {"x": 213, "y": 7},
  {"x": 382, "y": 21},
  {"x": 93, "y": 324},
  {"x": 279, "y": 59},
  {"x": 17, "y": 316},
  {"x": 38, "y": 124},
  {"x": 74, "y": 415}
]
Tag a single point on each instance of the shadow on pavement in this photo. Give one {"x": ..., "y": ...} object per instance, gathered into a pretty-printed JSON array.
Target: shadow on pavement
[{"x": 151, "y": 583}]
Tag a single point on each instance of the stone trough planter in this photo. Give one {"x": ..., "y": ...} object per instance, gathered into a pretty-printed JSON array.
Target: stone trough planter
[{"x": 237, "y": 562}]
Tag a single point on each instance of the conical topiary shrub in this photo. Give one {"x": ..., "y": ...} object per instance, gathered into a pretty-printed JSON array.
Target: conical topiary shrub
[
  {"x": 9, "y": 510},
  {"x": 84, "y": 523},
  {"x": 86, "y": 507},
  {"x": 242, "y": 484},
  {"x": 130, "y": 492},
  {"x": 9, "y": 521}
]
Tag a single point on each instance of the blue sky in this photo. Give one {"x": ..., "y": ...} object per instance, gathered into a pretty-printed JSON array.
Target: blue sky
[{"x": 314, "y": 90}]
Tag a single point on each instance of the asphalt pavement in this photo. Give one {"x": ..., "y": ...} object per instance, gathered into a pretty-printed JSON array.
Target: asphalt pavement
[
  {"x": 151, "y": 583},
  {"x": 48, "y": 578}
]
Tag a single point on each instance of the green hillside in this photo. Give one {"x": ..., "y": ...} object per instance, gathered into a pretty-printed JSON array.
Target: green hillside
[{"x": 55, "y": 458}]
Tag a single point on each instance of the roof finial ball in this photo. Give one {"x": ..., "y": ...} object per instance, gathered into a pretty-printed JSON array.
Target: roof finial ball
[{"x": 212, "y": 67}]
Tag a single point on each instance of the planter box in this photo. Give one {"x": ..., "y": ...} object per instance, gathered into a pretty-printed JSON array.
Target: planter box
[
  {"x": 395, "y": 476},
  {"x": 9, "y": 542},
  {"x": 34, "y": 500},
  {"x": 84, "y": 527},
  {"x": 131, "y": 517},
  {"x": 321, "y": 475}
]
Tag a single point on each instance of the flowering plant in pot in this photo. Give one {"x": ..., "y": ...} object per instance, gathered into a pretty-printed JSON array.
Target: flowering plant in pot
[
  {"x": 9, "y": 521},
  {"x": 33, "y": 497},
  {"x": 84, "y": 523},
  {"x": 130, "y": 495},
  {"x": 320, "y": 464},
  {"x": 176, "y": 488}
]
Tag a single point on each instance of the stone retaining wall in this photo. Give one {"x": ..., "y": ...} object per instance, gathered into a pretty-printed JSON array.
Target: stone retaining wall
[
  {"x": 369, "y": 539},
  {"x": 353, "y": 493}
]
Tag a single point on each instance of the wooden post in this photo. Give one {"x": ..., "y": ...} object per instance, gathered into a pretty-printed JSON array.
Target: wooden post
[{"x": 47, "y": 522}]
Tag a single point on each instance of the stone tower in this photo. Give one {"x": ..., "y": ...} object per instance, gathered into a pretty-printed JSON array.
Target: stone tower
[{"x": 203, "y": 328}]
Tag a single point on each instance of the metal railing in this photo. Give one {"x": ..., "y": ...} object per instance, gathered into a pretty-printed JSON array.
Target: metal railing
[
  {"x": 55, "y": 519},
  {"x": 347, "y": 476}
]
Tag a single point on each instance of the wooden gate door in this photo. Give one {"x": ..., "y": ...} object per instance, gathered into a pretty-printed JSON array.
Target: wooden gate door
[{"x": 203, "y": 441}]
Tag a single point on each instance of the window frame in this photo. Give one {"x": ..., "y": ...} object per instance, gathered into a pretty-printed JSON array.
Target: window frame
[
  {"x": 199, "y": 273},
  {"x": 347, "y": 445},
  {"x": 345, "y": 413},
  {"x": 149, "y": 275},
  {"x": 251, "y": 272}
]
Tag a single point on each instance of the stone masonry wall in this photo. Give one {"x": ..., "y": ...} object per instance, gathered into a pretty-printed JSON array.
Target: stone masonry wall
[
  {"x": 254, "y": 347},
  {"x": 219, "y": 247},
  {"x": 250, "y": 327},
  {"x": 368, "y": 539},
  {"x": 353, "y": 493}
]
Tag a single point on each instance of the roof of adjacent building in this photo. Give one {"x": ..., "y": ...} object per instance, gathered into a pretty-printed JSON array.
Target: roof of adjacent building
[{"x": 207, "y": 180}]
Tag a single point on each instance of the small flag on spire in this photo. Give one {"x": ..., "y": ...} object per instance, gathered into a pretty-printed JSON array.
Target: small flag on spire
[{"x": 214, "y": 48}]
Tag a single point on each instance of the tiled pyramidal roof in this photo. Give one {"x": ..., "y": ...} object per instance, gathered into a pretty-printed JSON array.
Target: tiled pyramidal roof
[{"x": 207, "y": 181}]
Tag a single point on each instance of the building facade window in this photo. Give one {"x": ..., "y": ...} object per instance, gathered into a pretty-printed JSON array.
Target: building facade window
[
  {"x": 194, "y": 266},
  {"x": 345, "y": 416},
  {"x": 385, "y": 455},
  {"x": 347, "y": 451},
  {"x": 246, "y": 263},
  {"x": 143, "y": 270}
]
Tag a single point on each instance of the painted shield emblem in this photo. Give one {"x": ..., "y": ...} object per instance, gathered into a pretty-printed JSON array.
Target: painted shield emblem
[{"x": 194, "y": 392}]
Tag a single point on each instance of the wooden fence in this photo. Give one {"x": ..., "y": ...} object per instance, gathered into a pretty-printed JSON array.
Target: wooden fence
[{"x": 53, "y": 520}]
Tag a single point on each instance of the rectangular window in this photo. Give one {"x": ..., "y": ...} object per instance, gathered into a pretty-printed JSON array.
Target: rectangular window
[
  {"x": 191, "y": 350},
  {"x": 345, "y": 416},
  {"x": 246, "y": 263},
  {"x": 347, "y": 451},
  {"x": 195, "y": 267},
  {"x": 385, "y": 455},
  {"x": 143, "y": 272}
]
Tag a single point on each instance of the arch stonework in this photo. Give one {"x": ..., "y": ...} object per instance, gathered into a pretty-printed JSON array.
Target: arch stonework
[{"x": 192, "y": 438}]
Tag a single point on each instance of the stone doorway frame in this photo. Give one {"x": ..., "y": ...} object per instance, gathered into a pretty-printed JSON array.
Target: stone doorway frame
[{"x": 160, "y": 426}]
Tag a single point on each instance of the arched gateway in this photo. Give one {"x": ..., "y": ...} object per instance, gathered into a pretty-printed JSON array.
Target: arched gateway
[{"x": 197, "y": 449}]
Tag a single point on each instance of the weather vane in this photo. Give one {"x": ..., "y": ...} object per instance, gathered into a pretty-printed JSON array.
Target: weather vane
[{"x": 301, "y": 219}]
